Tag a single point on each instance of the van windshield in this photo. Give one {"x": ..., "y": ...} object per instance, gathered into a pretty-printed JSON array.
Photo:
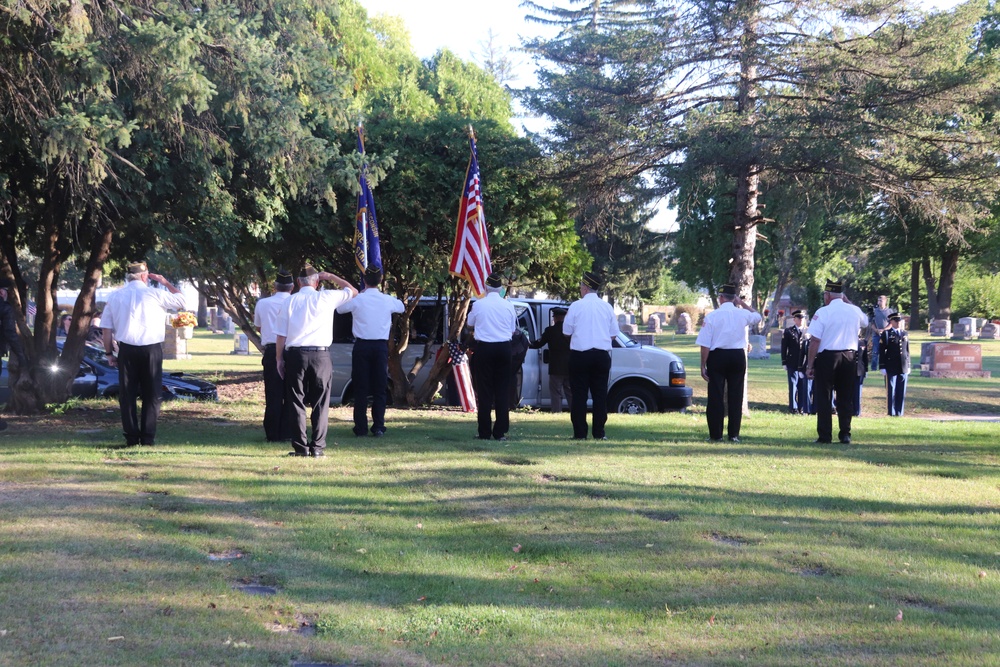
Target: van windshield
[{"x": 624, "y": 340}]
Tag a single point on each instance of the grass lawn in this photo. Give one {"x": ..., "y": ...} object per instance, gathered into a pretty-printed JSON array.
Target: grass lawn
[{"x": 428, "y": 547}]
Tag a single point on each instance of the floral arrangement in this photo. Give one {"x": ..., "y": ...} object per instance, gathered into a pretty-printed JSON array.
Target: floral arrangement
[{"x": 184, "y": 319}]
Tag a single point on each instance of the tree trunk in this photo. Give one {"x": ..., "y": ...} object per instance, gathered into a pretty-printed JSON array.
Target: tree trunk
[
  {"x": 457, "y": 315},
  {"x": 741, "y": 271},
  {"x": 202, "y": 308},
  {"x": 946, "y": 284},
  {"x": 915, "y": 295},
  {"x": 932, "y": 299}
]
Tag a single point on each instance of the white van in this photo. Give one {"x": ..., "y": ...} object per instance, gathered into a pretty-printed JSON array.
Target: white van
[{"x": 644, "y": 378}]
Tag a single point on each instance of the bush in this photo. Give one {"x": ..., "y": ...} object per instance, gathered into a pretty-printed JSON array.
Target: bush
[{"x": 977, "y": 296}]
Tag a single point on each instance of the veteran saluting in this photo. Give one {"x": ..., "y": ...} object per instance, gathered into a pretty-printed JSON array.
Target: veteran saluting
[
  {"x": 304, "y": 332},
  {"x": 832, "y": 361},
  {"x": 135, "y": 316},
  {"x": 372, "y": 322}
]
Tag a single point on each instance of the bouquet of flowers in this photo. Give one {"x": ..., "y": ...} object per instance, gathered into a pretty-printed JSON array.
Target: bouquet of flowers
[{"x": 184, "y": 319}]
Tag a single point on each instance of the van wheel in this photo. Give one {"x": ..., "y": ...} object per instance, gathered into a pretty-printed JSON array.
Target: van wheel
[{"x": 632, "y": 400}]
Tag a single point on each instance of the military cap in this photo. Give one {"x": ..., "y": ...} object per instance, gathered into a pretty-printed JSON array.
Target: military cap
[
  {"x": 308, "y": 271},
  {"x": 137, "y": 267},
  {"x": 895, "y": 317},
  {"x": 728, "y": 290},
  {"x": 834, "y": 287},
  {"x": 558, "y": 311},
  {"x": 495, "y": 280},
  {"x": 798, "y": 313},
  {"x": 284, "y": 278},
  {"x": 591, "y": 280}
]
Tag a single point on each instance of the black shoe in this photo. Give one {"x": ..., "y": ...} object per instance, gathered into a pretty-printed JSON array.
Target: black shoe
[
  {"x": 378, "y": 434},
  {"x": 603, "y": 437},
  {"x": 317, "y": 453},
  {"x": 845, "y": 441},
  {"x": 821, "y": 441},
  {"x": 715, "y": 439},
  {"x": 502, "y": 438},
  {"x": 297, "y": 454}
]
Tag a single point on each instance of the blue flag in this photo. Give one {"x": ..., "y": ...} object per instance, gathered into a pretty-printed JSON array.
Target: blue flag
[{"x": 367, "y": 250}]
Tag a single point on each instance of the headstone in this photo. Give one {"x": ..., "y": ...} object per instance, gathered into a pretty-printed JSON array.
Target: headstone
[
  {"x": 627, "y": 329},
  {"x": 990, "y": 331},
  {"x": 644, "y": 338},
  {"x": 662, "y": 317},
  {"x": 941, "y": 328},
  {"x": 952, "y": 360},
  {"x": 758, "y": 348},
  {"x": 775, "y": 347},
  {"x": 241, "y": 344},
  {"x": 653, "y": 325},
  {"x": 965, "y": 329},
  {"x": 622, "y": 319},
  {"x": 174, "y": 344},
  {"x": 684, "y": 324}
]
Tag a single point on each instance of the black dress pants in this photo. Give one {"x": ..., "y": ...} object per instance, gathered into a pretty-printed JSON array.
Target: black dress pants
[
  {"x": 834, "y": 370},
  {"x": 588, "y": 374},
  {"x": 274, "y": 398},
  {"x": 308, "y": 374},
  {"x": 726, "y": 371},
  {"x": 491, "y": 370},
  {"x": 369, "y": 377},
  {"x": 140, "y": 377}
]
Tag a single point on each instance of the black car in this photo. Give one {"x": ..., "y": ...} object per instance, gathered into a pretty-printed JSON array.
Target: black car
[{"x": 96, "y": 377}]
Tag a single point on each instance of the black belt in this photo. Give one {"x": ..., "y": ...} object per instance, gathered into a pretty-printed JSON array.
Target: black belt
[
  {"x": 267, "y": 345},
  {"x": 309, "y": 348},
  {"x": 371, "y": 340},
  {"x": 835, "y": 351}
]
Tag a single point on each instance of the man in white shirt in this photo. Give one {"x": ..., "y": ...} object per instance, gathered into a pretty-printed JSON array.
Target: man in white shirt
[
  {"x": 832, "y": 361},
  {"x": 372, "y": 311},
  {"x": 265, "y": 317},
  {"x": 303, "y": 334},
  {"x": 136, "y": 316},
  {"x": 493, "y": 320},
  {"x": 723, "y": 341},
  {"x": 591, "y": 326}
]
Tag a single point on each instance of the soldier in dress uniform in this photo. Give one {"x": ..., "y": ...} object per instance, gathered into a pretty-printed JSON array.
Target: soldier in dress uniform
[
  {"x": 832, "y": 361},
  {"x": 723, "y": 341},
  {"x": 493, "y": 320},
  {"x": 265, "y": 316},
  {"x": 793, "y": 359},
  {"x": 372, "y": 322},
  {"x": 591, "y": 326},
  {"x": 304, "y": 332},
  {"x": 894, "y": 363}
]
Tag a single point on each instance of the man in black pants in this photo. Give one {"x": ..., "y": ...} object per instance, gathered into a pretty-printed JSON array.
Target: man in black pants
[
  {"x": 265, "y": 316},
  {"x": 723, "y": 341},
  {"x": 591, "y": 326},
  {"x": 833, "y": 361},
  {"x": 792, "y": 347},
  {"x": 135, "y": 316},
  {"x": 493, "y": 320},
  {"x": 372, "y": 323},
  {"x": 304, "y": 332}
]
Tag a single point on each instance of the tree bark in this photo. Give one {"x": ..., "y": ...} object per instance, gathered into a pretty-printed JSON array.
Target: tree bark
[
  {"x": 946, "y": 283},
  {"x": 915, "y": 295},
  {"x": 932, "y": 299}
]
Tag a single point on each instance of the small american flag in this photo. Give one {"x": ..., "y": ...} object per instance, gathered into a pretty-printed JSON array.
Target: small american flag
[
  {"x": 470, "y": 258},
  {"x": 32, "y": 310}
]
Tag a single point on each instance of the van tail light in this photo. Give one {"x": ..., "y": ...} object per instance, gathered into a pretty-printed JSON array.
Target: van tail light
[{"x": 678, "y": 378}]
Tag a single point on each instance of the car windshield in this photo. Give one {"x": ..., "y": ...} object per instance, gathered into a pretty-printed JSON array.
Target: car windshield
[{"x": 624, "y": 340}]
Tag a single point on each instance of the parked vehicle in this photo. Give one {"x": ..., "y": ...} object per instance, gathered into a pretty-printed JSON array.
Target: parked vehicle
[
  {"x": 644, "y": 378},
  {"x": 96, "y": 377}
]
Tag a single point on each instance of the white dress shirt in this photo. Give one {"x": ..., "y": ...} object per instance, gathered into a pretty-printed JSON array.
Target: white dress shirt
[
  {"x": 308, "y": 319},
  {"x": 590, "y": 324},
  {"x": 265, "y": 315},
  {"x": 726, "y": 328},
  {"x": 493, "y": 318},
  {"x": 137, "y": 313},
  {"x": 372, "y": 313},
  {"x": 837, "y": 326}
]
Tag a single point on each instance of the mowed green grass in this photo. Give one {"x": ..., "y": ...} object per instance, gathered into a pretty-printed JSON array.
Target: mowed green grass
[{"x": 428, "y": 547}]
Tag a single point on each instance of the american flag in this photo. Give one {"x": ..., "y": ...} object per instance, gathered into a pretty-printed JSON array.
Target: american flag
[
  {"x": 367, "y": 249},
  {"x": 462, "y": 376},
  {"x": 32, "y": 310},
  {"x": 456, "y": 355},
  {"x": 470, "y": 258}
]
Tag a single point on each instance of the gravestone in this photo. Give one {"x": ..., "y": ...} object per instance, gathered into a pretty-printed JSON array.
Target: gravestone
[
  {"x": 965, "y": 329},
  {"x": 644, "y": 338},
  {"x": 952, "y": 360},
  {"x": 941, "y": 328},
  {"x": 175, "y": 344},
  {"x": 758, "y": 348},
  {"x": 990, "y": 331},
  {"x": 653, "y": 324},
  {"x": 622, "y": 320},
  {"x": 627, "y": 329},
  {"x": 775, "y": 347},
  {"x": 684, "y": 324}
]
